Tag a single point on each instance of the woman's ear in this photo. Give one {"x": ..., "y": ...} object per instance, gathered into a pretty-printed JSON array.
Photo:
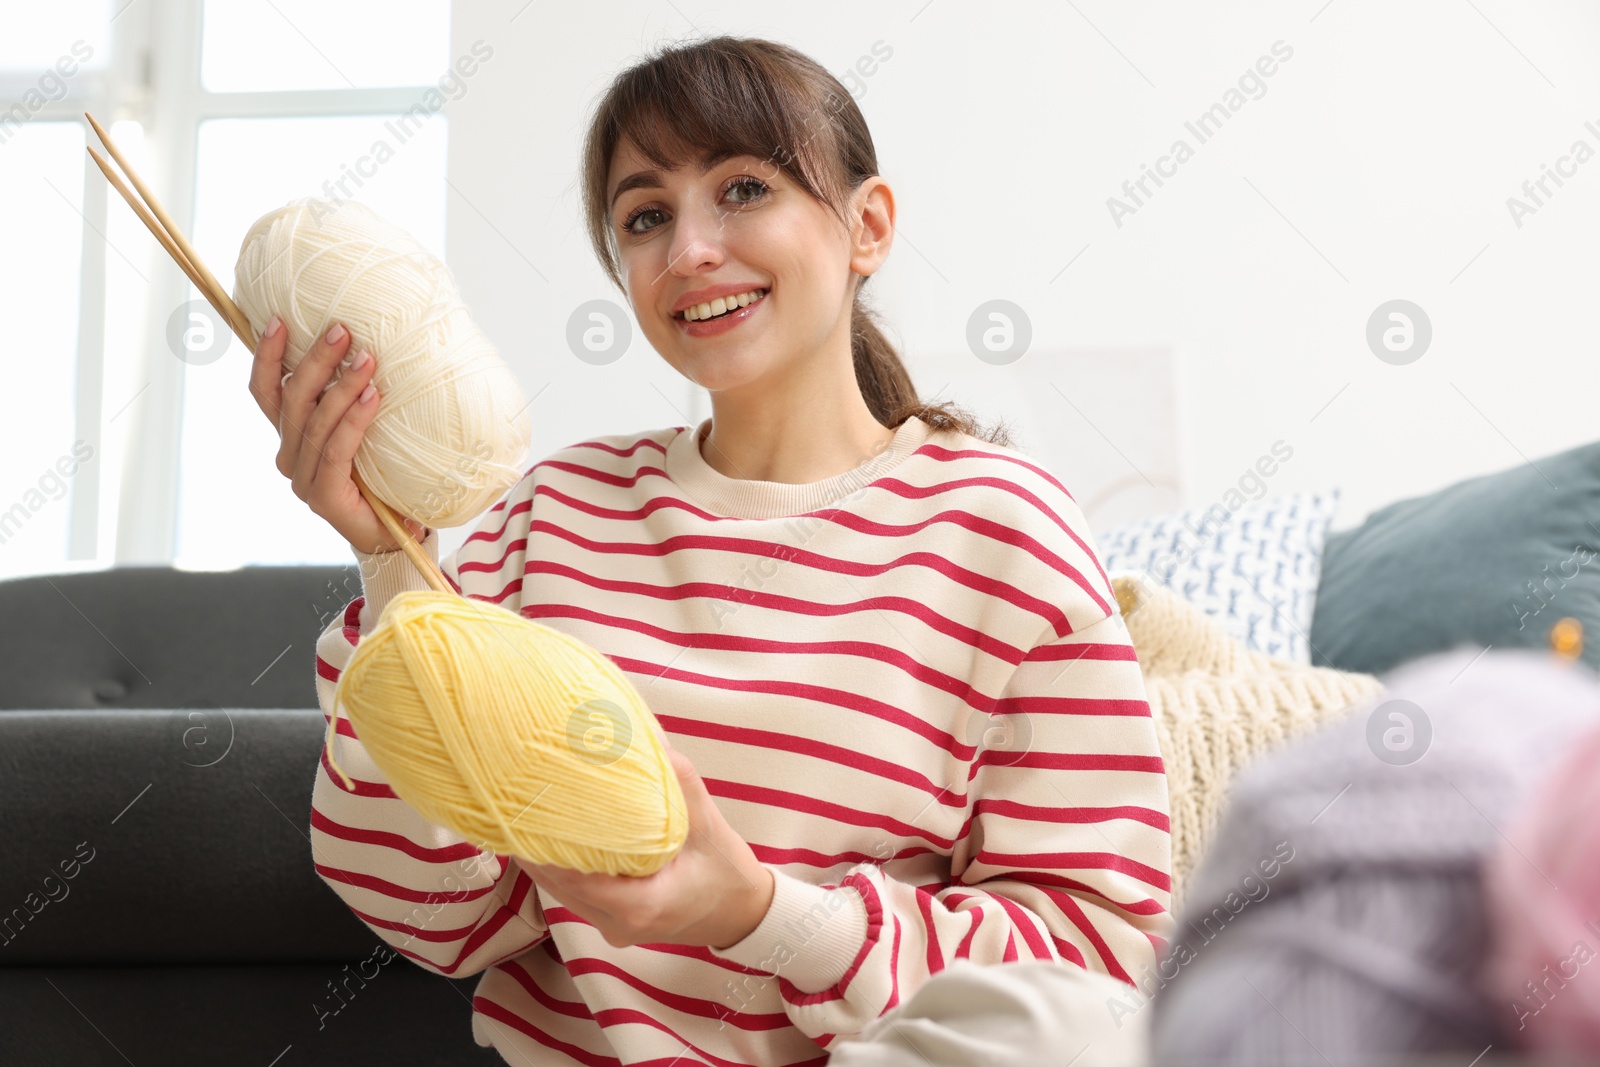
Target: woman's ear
[{"x": 872, "y": 235}]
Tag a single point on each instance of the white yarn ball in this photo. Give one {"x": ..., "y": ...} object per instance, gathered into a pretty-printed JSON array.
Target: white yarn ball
[{"x": 452, "y": 432}]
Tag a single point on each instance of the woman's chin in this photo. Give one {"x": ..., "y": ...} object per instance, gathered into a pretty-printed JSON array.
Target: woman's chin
[{"x": 721, "y": 372}]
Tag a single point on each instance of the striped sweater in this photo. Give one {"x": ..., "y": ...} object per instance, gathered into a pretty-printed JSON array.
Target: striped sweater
[{"x": 909, "y": 688}]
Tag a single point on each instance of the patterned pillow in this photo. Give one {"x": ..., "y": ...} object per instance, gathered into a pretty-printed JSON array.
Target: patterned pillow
[{"x": 1254, "y": 570}]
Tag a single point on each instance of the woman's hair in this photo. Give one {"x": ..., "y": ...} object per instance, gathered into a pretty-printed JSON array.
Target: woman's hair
[{"x": 731, "y": 96}]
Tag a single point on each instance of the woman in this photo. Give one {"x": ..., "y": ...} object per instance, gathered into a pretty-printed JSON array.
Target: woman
[{"x": 904, "y": 709}]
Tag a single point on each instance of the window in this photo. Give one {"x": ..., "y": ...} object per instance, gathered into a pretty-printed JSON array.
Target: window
[
  {"x": 129, "y": 444},
  {"x": 53, "y": 60},
  {"x": 219, "y": 486},
  {"x": 252, "y": 46},
  {"x": 41, "y": 165}
]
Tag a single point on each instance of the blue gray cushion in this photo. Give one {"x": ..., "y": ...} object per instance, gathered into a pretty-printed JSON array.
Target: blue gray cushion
[{"x": 1494, "y": 560}]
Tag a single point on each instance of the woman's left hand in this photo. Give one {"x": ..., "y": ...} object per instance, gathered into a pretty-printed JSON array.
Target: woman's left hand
[{"x": 713, "y": 892}]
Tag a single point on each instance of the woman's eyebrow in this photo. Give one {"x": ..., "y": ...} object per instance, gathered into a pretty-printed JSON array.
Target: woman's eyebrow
[{"x": 651, "y": 179}]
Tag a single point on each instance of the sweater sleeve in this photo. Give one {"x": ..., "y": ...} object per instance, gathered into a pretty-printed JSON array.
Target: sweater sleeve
[
  {"x": 1064, "y": 856},
  {"x": 428, "y": 892}
]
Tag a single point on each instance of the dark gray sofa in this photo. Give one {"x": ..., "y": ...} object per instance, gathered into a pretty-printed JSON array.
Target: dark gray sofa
[{"x": 159, "y": 734}]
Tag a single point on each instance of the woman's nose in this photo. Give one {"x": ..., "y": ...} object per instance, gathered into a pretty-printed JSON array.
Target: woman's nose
[{"x": 696, "y": 242}]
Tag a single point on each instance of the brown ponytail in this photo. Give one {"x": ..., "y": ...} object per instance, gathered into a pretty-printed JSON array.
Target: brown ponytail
[
  {"x": 887, "y": 387},
  {"x": 747, "y": 96}
]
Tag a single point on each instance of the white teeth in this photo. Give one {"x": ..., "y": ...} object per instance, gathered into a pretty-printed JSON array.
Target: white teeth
[{"x": 722, "y": 304}]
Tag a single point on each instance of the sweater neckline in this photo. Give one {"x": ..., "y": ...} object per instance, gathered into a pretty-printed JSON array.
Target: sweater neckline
[{"x": 752, "y": 498}]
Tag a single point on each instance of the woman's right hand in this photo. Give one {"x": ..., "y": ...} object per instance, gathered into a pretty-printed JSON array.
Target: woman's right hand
[{"x": 319, "y": 431}]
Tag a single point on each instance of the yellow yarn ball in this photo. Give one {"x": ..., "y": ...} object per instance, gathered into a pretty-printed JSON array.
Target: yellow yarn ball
[{"x": 519, "y": 737}]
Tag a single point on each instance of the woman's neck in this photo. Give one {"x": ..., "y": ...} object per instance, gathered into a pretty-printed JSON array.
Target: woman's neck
[{"x": 799, "y": 444}]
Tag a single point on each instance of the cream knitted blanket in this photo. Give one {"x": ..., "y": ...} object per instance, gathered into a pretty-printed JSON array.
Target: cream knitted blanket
[{"x": 1218, "y": 705}]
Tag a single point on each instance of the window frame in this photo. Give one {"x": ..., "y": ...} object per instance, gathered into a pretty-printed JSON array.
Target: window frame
[{"x": 153, "y": 76}]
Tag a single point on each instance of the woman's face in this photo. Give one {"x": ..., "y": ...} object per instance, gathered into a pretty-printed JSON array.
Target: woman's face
[{"x": 741, "y": 227}]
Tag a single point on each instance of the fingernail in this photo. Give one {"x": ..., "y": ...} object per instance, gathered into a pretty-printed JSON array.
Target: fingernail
[
  {"x": 361, "y": 359},
  {"x": 369, "y": 392},
  {"x": 272, "y": 327},
  {"x": 335, "y": 333}
]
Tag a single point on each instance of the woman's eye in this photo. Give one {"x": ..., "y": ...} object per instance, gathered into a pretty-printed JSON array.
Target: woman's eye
[
  {"x": 748, "y": 183},
  {"x": 631, "y": 219}
]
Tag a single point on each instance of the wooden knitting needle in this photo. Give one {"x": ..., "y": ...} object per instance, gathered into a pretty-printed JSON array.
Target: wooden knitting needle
[
  {"x": 206, "y": 282},
  {"x": 150, "y": 222},
  {"x": 171, "y": 238}
]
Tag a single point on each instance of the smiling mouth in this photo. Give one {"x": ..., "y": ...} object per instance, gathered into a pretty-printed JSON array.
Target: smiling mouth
[{"x": 708, "y": 311}]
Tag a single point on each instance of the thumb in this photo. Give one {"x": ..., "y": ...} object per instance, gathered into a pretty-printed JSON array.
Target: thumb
[{"x": 694, "y": 790}]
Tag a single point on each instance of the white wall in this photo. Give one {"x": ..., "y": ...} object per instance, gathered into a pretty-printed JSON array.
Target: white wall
[{"x": 1377, "y": 165}]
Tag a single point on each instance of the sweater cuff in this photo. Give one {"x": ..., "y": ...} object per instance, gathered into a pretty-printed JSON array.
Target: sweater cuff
[
  {"x": 383, "y": 574},
  {"x": 811, "y": 934}
]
